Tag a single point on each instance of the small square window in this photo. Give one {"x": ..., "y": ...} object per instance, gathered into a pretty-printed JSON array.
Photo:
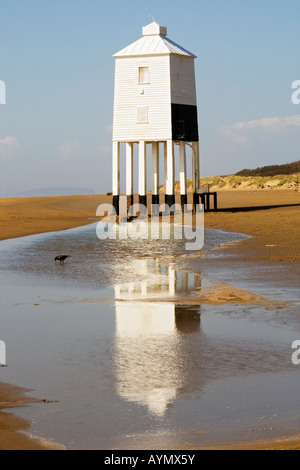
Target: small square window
[
  {"x": 143, "y": 75},
  {"x": 142, "y": 114}
]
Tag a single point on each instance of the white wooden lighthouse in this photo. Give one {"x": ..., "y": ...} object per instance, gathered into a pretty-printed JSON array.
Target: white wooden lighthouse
[{"x": 155, "y": 103}]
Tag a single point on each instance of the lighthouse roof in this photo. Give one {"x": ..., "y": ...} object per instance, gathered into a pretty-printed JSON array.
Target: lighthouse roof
[{"x": 153, "y": 42}]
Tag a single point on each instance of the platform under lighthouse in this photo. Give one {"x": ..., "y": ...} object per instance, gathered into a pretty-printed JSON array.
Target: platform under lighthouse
[{"x": 155, "y": 103}]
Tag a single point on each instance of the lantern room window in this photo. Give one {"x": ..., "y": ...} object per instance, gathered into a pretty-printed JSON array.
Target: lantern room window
[{"x": 143, "y": 75}]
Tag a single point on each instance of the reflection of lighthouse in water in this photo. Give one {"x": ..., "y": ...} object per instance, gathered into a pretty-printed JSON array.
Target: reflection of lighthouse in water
[{"x": 148, "y": 357}]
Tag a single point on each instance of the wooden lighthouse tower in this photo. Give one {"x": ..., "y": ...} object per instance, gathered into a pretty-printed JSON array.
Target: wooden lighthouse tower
[{"x": 155, "y": 103}]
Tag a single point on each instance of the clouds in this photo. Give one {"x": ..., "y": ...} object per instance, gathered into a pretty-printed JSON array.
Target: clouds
[
  {"x": 8, "y": 147},
  {"x": 271, "y": 124},
  {"x": 249, "y": 134},
  {"x": 250, "y": 144}
]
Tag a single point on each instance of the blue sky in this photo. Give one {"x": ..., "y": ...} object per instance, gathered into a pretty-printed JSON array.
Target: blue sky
[{"x": 56, "y": 61}]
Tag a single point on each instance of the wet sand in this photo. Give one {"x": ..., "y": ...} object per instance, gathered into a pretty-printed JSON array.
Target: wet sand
[
  {"x": 270, "y": 217},
  {"x": 13, "y": 429}
]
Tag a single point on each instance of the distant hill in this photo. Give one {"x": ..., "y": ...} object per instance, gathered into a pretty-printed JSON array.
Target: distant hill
[
  {"x": 56, "y": 192},
  {"x": 272, "y": 170}
]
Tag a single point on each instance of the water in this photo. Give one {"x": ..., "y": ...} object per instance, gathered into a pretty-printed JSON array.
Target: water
[{"x": 116, "y": 341}]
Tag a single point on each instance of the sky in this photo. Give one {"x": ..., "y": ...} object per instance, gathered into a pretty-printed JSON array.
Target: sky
[{"x": 57, "y": 67}]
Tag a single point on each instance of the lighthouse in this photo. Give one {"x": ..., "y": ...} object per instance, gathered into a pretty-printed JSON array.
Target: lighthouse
[{"x": 155, "y": 105}]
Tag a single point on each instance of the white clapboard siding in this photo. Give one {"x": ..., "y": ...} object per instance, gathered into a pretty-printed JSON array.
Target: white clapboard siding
[
  {"x": 171, "y": 80},
  {"x": 131, "y": 95},
  {"x": 183, "y": 85}
]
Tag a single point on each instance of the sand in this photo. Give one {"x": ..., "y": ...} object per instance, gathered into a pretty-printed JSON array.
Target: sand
[
  {"x": 12, "y": 429},
  {"x": 271, "y": 218},
  {"x": 267, "y": 216},
  {"x": 20, "y": 217}
]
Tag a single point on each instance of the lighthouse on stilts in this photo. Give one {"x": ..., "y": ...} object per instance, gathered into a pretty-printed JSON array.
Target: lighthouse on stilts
[{"x": 155, "y": 104}]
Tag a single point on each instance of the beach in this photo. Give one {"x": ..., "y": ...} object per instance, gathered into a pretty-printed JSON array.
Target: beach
[{"x": 269, "y": 217}]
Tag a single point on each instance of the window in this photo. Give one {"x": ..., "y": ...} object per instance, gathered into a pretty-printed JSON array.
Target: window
[
  {"x": 143, "y": 75},
  {"x": 142, "y": 114},
  {"x": 179, "y": 129}
]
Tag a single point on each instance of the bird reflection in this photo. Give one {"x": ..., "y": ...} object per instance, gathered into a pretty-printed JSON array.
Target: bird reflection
[{"x": 149, "y": 359}]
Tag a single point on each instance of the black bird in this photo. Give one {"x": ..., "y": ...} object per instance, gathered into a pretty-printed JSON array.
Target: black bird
[{"x": 62, "y": 258}]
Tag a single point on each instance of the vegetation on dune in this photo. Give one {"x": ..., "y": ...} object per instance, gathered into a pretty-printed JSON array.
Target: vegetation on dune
[
  {"x": 285, "y": 176},
  {"x": 252, "y": 182},
  {"x": 273, "y": 170},
  {"x": 244, "y": 182}
]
